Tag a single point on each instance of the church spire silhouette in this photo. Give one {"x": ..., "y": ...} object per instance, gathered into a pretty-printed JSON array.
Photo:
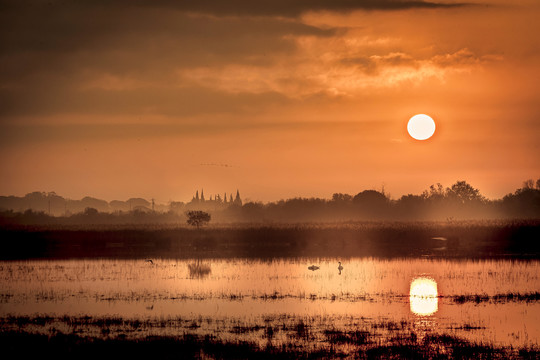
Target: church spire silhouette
[{"x": 237, "y": 200}]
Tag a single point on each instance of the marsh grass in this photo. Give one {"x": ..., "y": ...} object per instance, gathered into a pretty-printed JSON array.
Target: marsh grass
[
  {"x": 381, "y": 239},
  {"x": 498, "y": 298},
  {"x": 109, "y": 337},
  {"x": 265, "y": 311},
  {"x": 188, "y": 346}
]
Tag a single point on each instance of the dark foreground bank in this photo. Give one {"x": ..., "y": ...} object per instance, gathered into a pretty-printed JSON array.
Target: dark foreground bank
[
  {"x": 517, "y": 239},
  {"x": 70, "y": 346}
]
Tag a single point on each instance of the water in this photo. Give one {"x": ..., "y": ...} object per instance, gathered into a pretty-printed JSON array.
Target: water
[{"x": 277, "y": 301}]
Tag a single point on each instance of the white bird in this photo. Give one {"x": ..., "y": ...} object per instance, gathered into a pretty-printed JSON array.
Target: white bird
[{"x": 313, "y": 267}]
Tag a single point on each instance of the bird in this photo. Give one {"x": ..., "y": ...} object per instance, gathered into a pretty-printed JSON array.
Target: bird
[
  {"x": 149, "y": 261},
  {"x": 340, "y": 267},
  {"x": 313, "y": 267}
]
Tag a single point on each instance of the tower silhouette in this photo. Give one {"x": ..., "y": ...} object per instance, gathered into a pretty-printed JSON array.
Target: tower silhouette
[{"x": 237, "y": 200}]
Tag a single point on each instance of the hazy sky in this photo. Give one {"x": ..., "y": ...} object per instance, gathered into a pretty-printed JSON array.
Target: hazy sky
[{"x": 276, "y": 98}]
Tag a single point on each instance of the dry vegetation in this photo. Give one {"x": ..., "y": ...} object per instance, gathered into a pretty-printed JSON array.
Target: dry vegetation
[
  {"x": 384, "y": 239},
  {"x": 121, "y": 338}
]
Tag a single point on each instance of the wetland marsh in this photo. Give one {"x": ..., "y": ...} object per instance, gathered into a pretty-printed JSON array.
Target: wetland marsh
[{"x": 278, "y": 306}]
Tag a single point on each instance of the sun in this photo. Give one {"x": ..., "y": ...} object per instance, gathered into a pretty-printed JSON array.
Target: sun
[{"x": 421, "y": 127}]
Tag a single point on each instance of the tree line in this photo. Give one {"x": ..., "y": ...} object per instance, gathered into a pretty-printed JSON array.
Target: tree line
[{"x": 460, "y": 201}]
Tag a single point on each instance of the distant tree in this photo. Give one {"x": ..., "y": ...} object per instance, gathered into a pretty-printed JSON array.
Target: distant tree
[
  {"x": 197, "y": 218},
  {"x": 370, "y": 198},
  {"x": 538, "y": 184},
  {"x": 435, "y": 192},
  {"x": 339, "y": 197},
  {"x": 371, "y": 203},
  {"x": 98, "y": 204},
  {"x": 528, "y": 184},
  {"x": 176, "y": 206},
  {"x": 90, "y": 211},
  {"x": 464, "y": 193},
  {"x": 525, "y": 202},
  {"x": 253, "y": 211}
]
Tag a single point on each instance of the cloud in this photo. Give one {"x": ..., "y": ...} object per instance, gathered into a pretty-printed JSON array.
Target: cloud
[
  {"x": 68, "y": 59},
  {"x": 182, "y": 58},
  {"x": 462, "y": 57},
  {"x": 339, "y": 74},
  {"x": 372, "y": 64},
  {"x": 286, "y": 8},
  {"x": 169, "y": 101},
  {"x": 138, "y": 37},
  {"x": 293, "y": 7}
]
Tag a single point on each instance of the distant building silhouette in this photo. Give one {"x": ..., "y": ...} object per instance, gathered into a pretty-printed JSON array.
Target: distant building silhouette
[
  {"x": 214, "y": 202},
  {"x": 237, "y": 200}
]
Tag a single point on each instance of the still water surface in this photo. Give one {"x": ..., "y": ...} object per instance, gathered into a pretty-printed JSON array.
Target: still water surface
[{"x": 235, "y": 298}]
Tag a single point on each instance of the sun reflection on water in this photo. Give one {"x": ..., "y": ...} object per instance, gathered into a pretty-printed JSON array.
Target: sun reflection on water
[{"x": 423, "y": 296}]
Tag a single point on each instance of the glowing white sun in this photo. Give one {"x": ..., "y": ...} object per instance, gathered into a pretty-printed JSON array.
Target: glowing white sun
[{"x": 421, "y": 127}]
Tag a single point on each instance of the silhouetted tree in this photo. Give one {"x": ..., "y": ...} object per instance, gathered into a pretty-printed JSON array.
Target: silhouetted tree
[
  {"x": 528, "y": 184},
  {"x": 411, "y": 206},
  {"x": 525, "y": 202},
  {"x": 197, "y": 218},
  {"x": 90, "y": 202},
  {"x": 464, "y": 193},
  {"x": 90, "y": 211},
  {"x": 435, "y": 193},
  {"x": 372, "y": 203},
  {"x": 252, "y": 211},
  {"x": 339, "y": 197}
]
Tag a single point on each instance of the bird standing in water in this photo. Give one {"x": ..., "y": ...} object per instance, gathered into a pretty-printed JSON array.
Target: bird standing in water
[{"x": 340, "y": 267}]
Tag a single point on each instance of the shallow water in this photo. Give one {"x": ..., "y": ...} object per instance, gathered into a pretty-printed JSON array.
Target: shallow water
[{"x": 239, "y": 298}]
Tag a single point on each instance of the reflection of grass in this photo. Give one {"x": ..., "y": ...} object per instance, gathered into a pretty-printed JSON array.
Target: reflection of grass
[
  {"x": 86, "y": 337},
  {"x": 197, "y": 270}
]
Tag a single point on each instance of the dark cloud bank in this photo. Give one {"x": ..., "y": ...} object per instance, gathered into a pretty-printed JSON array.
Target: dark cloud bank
[{"x": 50, "y": 50}]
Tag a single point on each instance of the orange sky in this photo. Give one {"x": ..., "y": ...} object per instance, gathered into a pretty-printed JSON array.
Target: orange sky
[{"x": 278, "y": 99}]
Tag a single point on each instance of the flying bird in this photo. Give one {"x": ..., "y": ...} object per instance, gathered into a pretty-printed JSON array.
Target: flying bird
[
  {"x": 313, "y": 267},
  {"x": 149, "y": 261}
]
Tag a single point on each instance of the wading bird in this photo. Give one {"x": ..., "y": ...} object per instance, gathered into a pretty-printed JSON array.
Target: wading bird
[{"x": 340, "y": 267}]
